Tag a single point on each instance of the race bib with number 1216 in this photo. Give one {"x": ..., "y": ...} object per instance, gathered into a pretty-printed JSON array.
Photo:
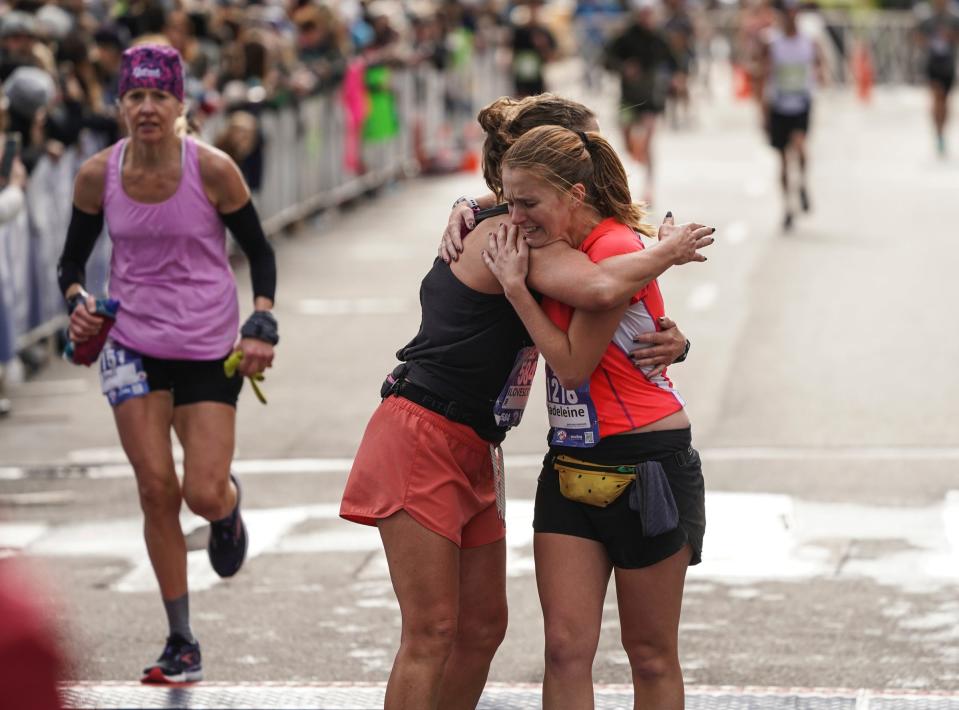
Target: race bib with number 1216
[{"x": 572, "y": 414}]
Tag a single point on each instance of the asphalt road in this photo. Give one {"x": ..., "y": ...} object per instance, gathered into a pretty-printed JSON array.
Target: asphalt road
[{"x": 821, "y": 386}]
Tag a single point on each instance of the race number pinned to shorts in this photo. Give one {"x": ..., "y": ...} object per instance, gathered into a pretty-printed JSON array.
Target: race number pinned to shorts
[
  {"x": 499, "y": 479},
  {"x": 511, "y": 403},
  {"x": 572, "y": 414},
  {"x": 122, "y": 376}
]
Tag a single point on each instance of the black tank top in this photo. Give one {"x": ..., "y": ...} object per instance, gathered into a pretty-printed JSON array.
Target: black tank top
[{"x": 467, "y": 343}]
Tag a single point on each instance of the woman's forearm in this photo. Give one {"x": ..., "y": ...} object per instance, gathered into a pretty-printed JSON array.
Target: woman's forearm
[
  {"x": 622, "y": 276},
  {"x": 553, "y": 343},
  {"x": 569, "y": 276}
]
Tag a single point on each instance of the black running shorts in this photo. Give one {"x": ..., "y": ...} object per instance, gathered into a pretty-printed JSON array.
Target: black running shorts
[
  {"x": 782, "y": 126},
  {"x": 193, "y": 381},
  {"x": 617, "y": 527},
  {"x": 941, "y": 74}
]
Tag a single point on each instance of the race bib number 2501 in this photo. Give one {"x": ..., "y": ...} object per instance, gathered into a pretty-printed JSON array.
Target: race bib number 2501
[{"x": 572, "y": 414}]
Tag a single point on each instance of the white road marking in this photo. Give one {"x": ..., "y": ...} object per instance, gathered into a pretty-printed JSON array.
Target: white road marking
[
  {"x": 353, "y": 306},
  {"x": 112, "y": 464},
  {"x": 752, "y": 537}
]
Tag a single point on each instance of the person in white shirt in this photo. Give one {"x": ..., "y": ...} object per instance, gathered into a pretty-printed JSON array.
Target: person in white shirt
[{"x": 791, "y": 65}]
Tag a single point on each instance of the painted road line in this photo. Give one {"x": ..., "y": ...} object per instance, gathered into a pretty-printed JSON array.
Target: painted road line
[
  {"x": 111, "y": 467},
  {"x": 915, "y": 549},
  {"x": 496, "y": 696}
]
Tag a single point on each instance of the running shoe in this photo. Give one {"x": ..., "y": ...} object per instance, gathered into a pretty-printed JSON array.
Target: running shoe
[
  {"x": 227, "y": 546},
  {"x": 788, "y": 222},
  {"x": 179, "y": 663}
]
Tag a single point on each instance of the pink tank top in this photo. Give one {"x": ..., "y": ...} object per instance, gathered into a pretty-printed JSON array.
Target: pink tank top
[{"x": 169, "y": 268}]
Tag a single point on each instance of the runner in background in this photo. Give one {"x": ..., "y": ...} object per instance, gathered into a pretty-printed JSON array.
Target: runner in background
[
  {"x": 167, "y": 200},
  {"x": 680, "y": 31},
  {"x": 791, "y": 65},
  {"x": 938, "y": 34},
  {"x": 646, "y": 65},
  {"x": 533, "y": 46}
]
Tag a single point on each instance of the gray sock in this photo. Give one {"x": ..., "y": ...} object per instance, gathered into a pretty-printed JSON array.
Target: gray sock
[{"x": 178, "y": 616}]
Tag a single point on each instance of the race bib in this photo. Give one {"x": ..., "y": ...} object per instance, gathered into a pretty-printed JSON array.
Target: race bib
[
  {"x": 792, "y": 78},
  {"x": 572, "y": 414},
  {"x": 122, "y": 376},
  {"x": 526, "y": 65},
  {"x": 511, "y": 403}
]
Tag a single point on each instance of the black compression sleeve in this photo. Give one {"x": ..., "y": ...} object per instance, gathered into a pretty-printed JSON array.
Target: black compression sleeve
[
  {"x": 81, "y": 238},
  {"x": 246, "y": 229}
]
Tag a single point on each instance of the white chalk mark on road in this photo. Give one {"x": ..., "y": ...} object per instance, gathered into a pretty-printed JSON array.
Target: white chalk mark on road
[{"x": 752, "y": 537}]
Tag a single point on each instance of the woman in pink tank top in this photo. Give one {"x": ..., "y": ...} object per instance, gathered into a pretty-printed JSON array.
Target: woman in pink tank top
[{"x": 167, "y": 200}]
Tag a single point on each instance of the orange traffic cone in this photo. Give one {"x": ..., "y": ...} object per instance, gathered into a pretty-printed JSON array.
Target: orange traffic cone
[
  {"x": 863, "y": 71},
  {"x": 742, "y": 85},
  {"x": 471, "y": 161}
]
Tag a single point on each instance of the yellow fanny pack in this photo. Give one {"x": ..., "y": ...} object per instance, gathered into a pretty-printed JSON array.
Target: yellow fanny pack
[{"x": 592, "y": 483}]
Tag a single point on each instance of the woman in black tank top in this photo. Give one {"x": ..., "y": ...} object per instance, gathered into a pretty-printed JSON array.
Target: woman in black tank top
[{"x": 428, "y": 473}]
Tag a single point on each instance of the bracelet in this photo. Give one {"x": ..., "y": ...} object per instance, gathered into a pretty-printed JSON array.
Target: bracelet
[
  {"x": 474, "y": 205},
  {"x": 262, "y": 326},
  {"x": 682, "y": 357}
]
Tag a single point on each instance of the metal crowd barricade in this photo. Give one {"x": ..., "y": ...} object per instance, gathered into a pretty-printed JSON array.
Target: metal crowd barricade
[{"x": 305, "y": 170}]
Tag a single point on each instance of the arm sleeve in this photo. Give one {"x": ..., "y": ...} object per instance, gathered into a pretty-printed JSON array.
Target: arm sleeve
[
  {"x": 81, "y": 237},
  {"x": 248, "y": 232}
]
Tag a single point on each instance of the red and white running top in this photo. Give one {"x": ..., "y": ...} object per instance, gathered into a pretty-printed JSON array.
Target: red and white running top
[{"x": 625, "y": 397}]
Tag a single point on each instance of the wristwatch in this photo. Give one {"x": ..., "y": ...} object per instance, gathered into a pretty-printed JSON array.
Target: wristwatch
[
  {"x": 685, "y": 352},
  {"x": 474, "y": 205}
]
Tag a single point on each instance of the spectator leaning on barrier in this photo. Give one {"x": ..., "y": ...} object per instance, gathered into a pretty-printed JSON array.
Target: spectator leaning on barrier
[
  {"x": 322, "y": 47},
  {"x": 17, "y": 42},
  {"x": 30, "y": 91}
]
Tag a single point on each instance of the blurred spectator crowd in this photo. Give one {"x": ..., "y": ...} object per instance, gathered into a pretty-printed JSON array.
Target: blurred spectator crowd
[{"x": 59, "y": 60}]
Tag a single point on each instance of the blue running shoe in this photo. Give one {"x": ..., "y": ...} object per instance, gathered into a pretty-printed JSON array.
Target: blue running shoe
[
  {"x": 179, "y": 663},
  {"x": 227, "y": 546}
]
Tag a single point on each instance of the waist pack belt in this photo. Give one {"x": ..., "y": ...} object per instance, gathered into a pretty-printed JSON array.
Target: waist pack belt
[
  {"x": 600, "y": 484},
  {"x": 592, "y": 483}
]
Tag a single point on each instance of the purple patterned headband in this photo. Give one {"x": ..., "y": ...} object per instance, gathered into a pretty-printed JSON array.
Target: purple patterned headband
[{"x": 152, "y": 66}]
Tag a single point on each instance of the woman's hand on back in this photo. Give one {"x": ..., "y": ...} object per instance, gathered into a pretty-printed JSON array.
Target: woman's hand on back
[
  {"x": 461, "y": 222},
  {"x": 507, "y": 256}
]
